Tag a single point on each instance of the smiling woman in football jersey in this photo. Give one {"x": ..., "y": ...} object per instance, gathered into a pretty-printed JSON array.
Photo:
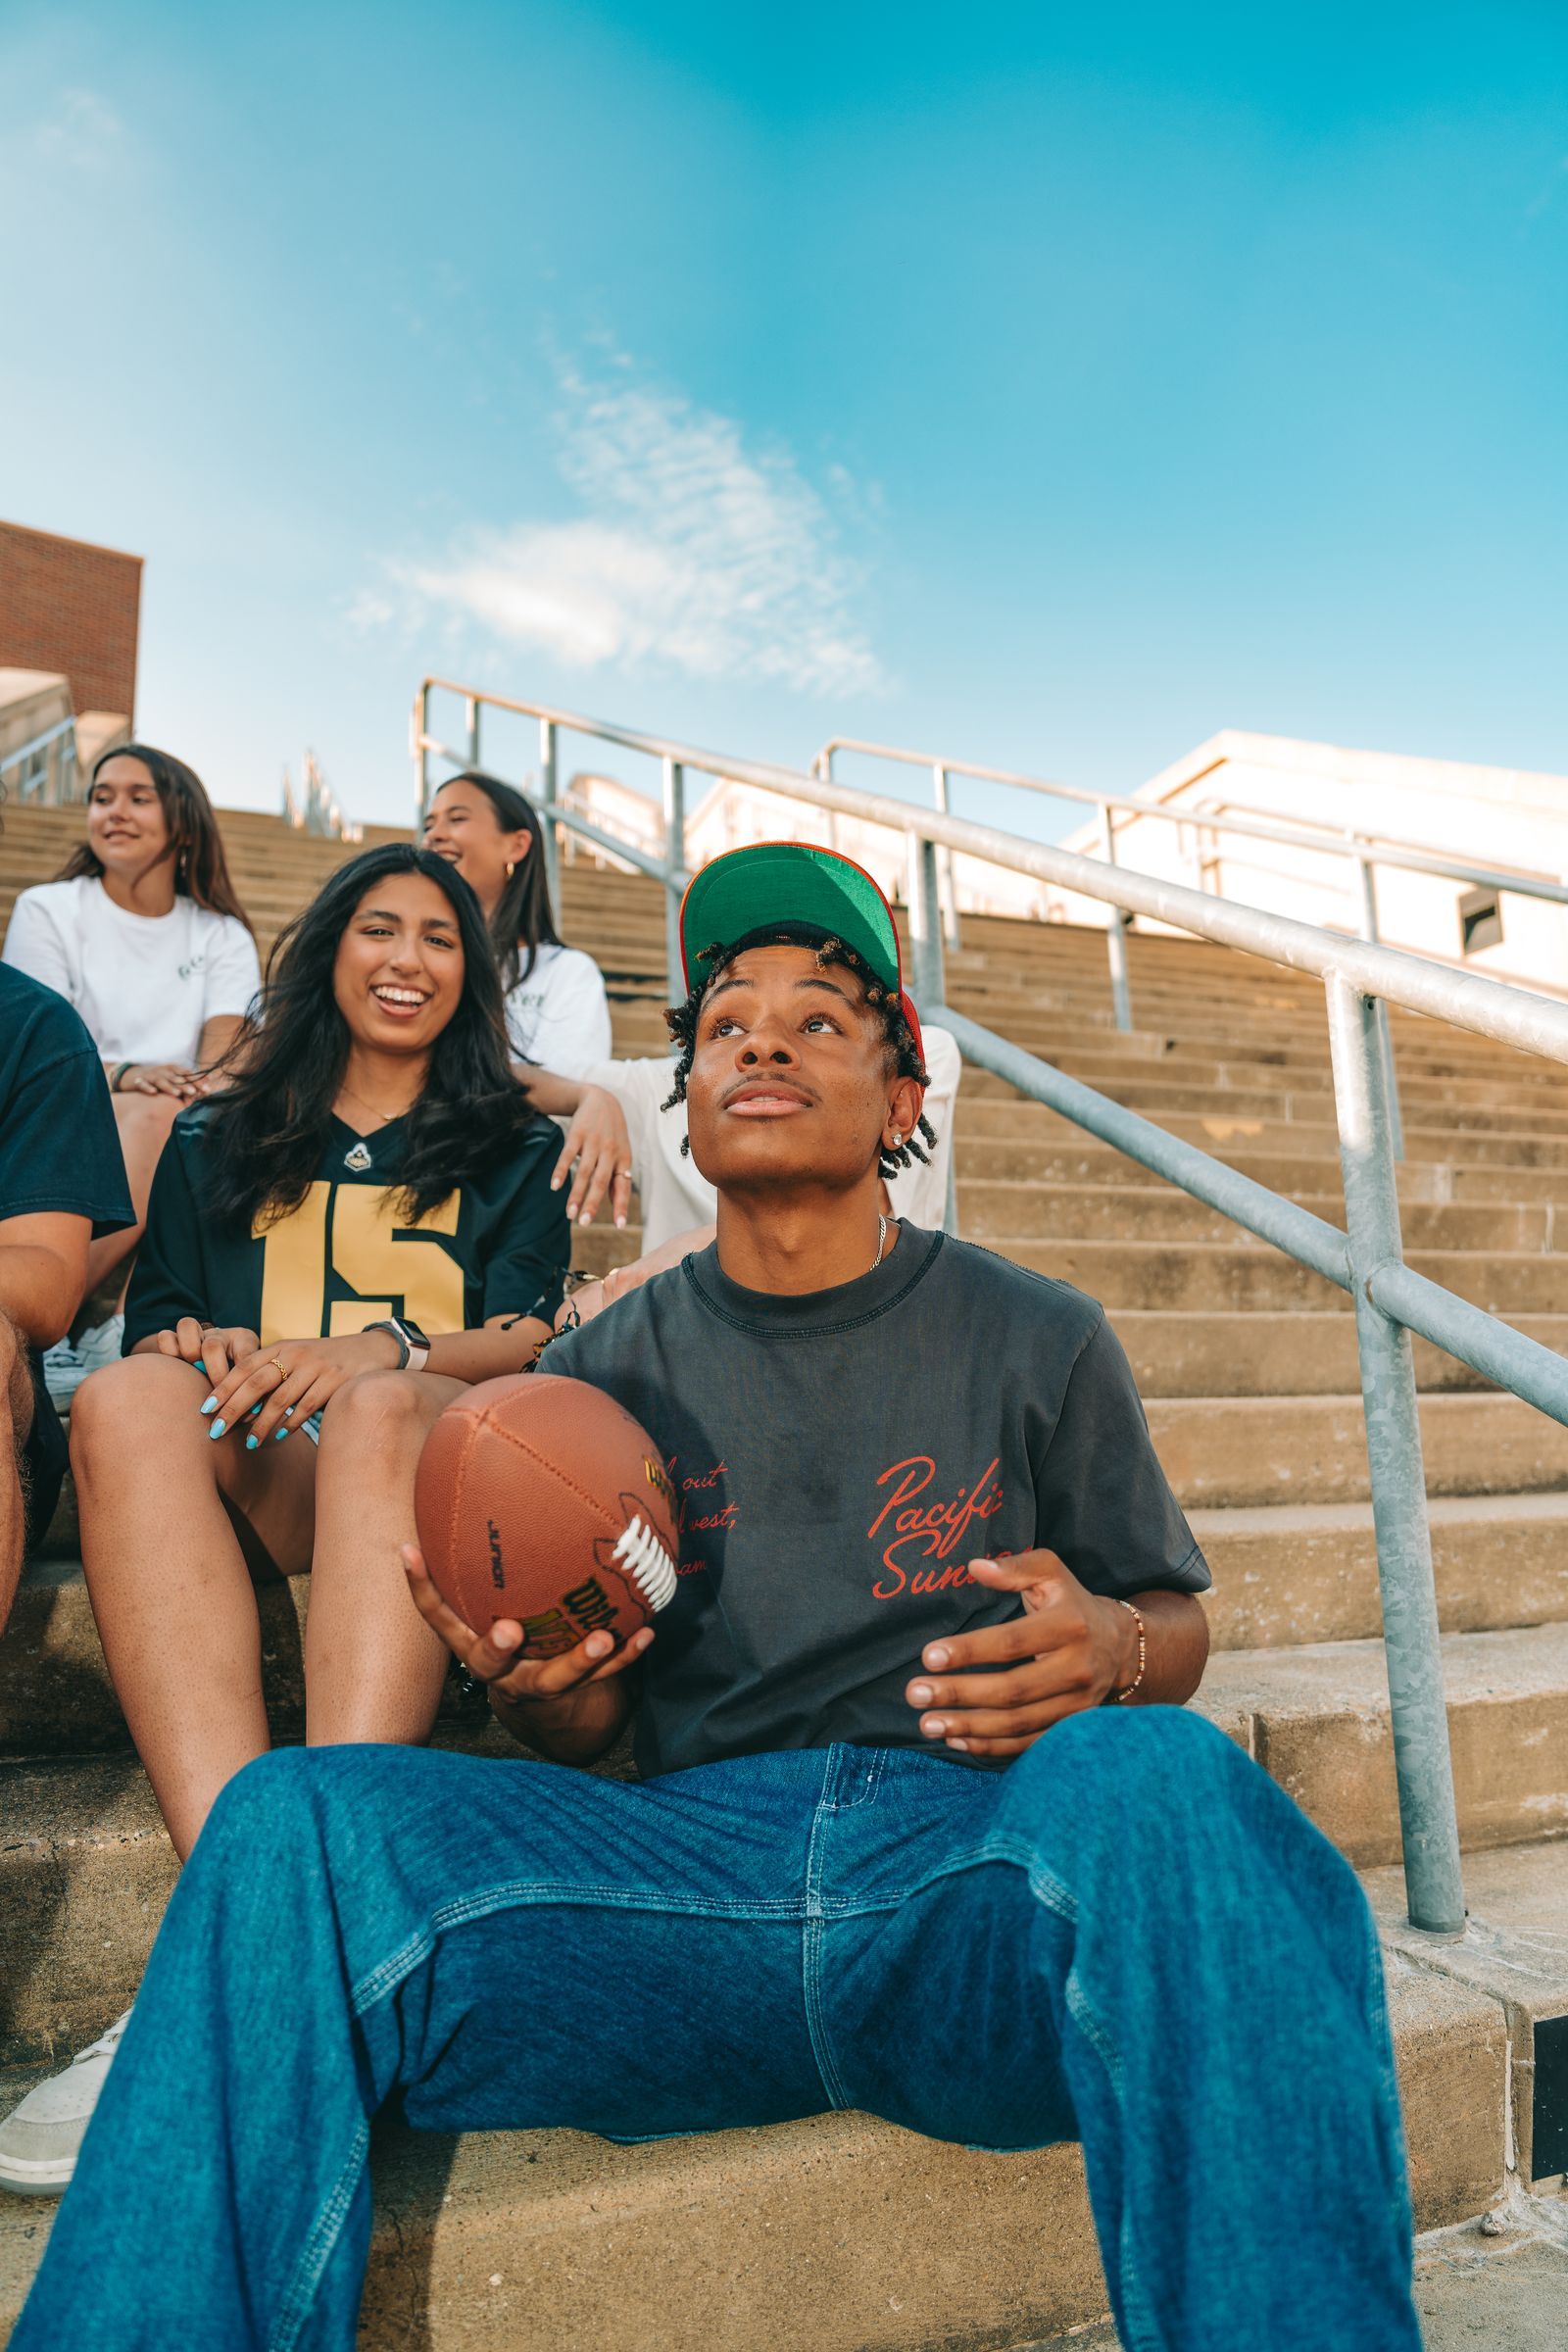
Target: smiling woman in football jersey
[{"x": 359, "y": 1225}]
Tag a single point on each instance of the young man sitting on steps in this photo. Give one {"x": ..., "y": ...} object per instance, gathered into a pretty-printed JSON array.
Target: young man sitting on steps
[{"x": 915, "y": 1833}]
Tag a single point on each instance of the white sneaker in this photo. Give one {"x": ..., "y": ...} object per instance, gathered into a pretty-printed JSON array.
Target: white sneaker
[
  {"x": 63, "y": 1373},
  {"x": 40, "y": 2140},
  {"x": 102, "y": 1345}
]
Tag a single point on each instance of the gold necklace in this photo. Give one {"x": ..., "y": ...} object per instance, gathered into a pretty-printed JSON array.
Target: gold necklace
[{"x": 385, "y": 1116}]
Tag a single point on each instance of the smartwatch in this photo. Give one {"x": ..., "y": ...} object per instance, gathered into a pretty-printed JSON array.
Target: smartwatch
[{"x": 414, "y": 1349}]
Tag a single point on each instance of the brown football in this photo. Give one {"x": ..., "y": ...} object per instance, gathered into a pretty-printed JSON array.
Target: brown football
[{"x": 540, "y": 1498}]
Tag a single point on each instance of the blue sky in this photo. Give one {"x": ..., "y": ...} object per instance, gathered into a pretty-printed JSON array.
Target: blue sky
[{"x": 1049, "y": 386}]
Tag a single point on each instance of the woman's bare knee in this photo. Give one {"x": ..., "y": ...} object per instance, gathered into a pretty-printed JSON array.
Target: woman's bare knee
[
  {"x": 385, "y": 1411},
  {"x": 140, "y": 1399}
]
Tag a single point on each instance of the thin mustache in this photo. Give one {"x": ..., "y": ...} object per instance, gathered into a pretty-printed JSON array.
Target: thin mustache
[{"x": 779, "y": 1086}]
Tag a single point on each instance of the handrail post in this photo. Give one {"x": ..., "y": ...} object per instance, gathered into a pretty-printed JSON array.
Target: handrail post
[
  {"x": 950, "y": 886},
  {"x": 925, "y": 924},
  {"x": 421, "y": 755},
  {"x": 674, "y": 866},
  {"x": 1121, "y": 994},
  {"x": 470, "y": 712},
  {"x": 1428, "y": 1820},
  {"x": 823, "y": 766},
  {"x": 548, "y": 782},
  {"x": 1370, "y": 933}
]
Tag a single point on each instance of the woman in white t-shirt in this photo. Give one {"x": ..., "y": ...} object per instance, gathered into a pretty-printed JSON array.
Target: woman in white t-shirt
[
  {"x": 142, "y": 933},
  {"x": 556, "y": 1015}
]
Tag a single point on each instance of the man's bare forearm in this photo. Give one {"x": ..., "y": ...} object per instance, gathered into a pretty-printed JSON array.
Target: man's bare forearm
[
  {"x": 1175, "y": 1646},
  {"x": 574, "y": 1729}
]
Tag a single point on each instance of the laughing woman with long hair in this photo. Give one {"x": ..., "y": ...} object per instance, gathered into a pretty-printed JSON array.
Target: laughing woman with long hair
[
  {"x": 557, "y": 1013},
  {"x": 360, "y": 1225}
]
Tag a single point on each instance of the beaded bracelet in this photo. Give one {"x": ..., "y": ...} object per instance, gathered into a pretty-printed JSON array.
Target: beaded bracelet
[{"x": 1122, "y": 1696}]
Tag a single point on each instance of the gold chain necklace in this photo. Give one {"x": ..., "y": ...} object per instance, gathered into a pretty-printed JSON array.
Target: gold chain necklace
[{"x": 385, "y": 1116}]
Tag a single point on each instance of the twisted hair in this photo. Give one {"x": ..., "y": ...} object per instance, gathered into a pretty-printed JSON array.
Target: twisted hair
[{"x": 681, "y": 1022}]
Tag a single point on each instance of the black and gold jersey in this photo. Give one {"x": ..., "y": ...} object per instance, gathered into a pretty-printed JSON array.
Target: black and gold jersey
[{"x": 498, "y": 1245}]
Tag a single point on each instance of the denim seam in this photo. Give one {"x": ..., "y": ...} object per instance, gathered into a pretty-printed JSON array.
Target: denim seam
[
  {"x": 1057, "y": 1896},
  {"x": 318, "y": 2247},
  {"x": 864, "y": 1794},
  {"x": 812, "y": 1932},
  {"x": 520, "y": 1894}
]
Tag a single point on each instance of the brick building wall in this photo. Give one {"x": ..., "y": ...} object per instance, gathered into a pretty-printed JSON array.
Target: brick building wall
[{"x": 67, "y": 605}]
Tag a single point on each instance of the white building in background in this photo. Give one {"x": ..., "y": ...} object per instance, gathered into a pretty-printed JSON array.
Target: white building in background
[
  {"x": 1505, "y": 819},
  {"x": 1500, "y": 818},
  {"x": 614, "y": 807}
]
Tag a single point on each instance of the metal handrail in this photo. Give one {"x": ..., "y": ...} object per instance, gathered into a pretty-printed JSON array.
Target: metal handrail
[
  {"x": 1367, "y": 849},
  {"x": 1234, "y": 816},
  {"x": 24, "y": 751},
  {"x": 1366, "y": 1259}
]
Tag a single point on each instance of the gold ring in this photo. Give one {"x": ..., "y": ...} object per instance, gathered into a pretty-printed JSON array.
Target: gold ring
[{"x": 280, "y": 1369}]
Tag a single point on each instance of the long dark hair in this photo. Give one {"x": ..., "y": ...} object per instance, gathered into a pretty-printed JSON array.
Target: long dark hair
[
  {"x": 267, "y": 1129},
  {"x": 201, "y": 869},
  {"x": 522, "y": 917}
]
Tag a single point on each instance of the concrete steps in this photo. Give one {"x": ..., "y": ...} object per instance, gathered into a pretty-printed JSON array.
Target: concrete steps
[
  {"x": 1020, "y": 1209},
  {"x": 838, "y": 2231},
  {"x": 1196, "y": 1275},
  {"x": 1215, "y": 1352},
  {"x": 822, "y": 2233},
  {"x": 1316, "y": 1716}
]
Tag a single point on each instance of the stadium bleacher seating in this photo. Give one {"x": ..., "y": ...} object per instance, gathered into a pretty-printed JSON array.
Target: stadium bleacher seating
[{"x": 842, "y": 2231}]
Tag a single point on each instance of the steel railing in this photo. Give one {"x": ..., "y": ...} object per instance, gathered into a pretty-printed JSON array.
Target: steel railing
[
  {"x": 1365, "y": 1260},
  {"x": 1366, "y": 851},
  {"x": 44, "y": 768}
]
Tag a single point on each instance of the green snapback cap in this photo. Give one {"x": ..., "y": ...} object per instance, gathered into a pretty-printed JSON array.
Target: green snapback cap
[{"x": 787, "y": 882}]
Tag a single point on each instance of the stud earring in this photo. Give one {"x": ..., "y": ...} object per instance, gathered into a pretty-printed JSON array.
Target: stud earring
[{"x": 512, "y": 867}]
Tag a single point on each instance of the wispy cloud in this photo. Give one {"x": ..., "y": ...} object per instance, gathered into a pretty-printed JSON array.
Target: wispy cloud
[
  {"x": 691, "y": 551},
  {"x": 82, "y": 133}
]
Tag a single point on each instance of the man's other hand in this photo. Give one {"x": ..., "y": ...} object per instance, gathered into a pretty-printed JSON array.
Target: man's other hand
[{"x": 992, "y": 1693}]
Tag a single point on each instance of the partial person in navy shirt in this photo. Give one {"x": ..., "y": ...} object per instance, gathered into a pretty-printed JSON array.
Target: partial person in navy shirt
[{"x": 61, "y": 1186}]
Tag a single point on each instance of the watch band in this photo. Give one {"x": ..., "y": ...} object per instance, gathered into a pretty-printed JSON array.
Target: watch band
[{"x": 414, "y": 1349}]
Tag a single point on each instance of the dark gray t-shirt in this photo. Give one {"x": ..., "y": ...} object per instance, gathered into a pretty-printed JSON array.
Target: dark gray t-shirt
[{"x": 839, "y": 1456}]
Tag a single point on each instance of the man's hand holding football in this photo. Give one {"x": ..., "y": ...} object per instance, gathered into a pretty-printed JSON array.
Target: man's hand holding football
[{"x": 561, "y": 1704}]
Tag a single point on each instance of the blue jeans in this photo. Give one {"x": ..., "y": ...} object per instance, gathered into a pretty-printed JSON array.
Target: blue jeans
[{"x": 1131, "y": 1937}]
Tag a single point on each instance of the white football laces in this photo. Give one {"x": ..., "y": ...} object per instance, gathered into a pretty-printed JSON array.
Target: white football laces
[{"x": 640, "y": 1551}]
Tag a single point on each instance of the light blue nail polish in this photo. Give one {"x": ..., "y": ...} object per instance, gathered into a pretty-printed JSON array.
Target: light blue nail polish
[
  {"x": 251, "y": 1445},
  {"x": 255, "y": 1409},
  {"x": 200, "y": 1366},
  {"x": 279, "y": 1435},
  {"x": 217, "y": 1429},
  {"x": 210, "y": 1407}
]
